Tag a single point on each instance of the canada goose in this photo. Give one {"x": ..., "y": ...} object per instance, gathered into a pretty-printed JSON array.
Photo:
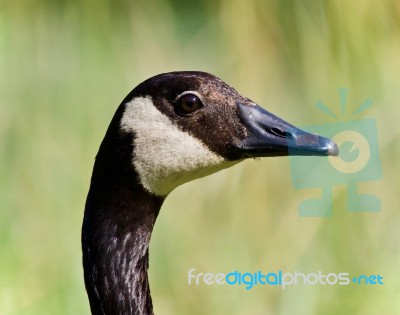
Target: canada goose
[{"x": 170, "y": 129}]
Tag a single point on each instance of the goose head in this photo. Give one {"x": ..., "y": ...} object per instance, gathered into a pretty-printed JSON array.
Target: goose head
[{"x": 186, "y": 125}]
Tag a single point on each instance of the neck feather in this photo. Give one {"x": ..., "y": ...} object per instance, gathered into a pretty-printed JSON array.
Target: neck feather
[{"x": 115, "y": 239}]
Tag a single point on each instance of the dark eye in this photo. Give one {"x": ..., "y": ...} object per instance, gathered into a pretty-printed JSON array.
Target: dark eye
[{"x": 188, "y": 103}]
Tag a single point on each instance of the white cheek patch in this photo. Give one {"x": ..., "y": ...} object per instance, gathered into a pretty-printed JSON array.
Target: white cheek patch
[{"x": 165, "y": 156}]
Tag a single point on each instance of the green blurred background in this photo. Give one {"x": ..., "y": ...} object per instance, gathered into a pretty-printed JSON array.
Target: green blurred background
[{"x": 66, "y": 65}]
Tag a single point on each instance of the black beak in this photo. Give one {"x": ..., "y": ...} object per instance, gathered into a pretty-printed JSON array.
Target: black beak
[{"x": 269, "y": 135}]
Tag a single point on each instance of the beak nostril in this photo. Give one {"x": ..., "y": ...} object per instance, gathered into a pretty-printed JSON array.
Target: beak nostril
[{"x": 279, "y": 133}]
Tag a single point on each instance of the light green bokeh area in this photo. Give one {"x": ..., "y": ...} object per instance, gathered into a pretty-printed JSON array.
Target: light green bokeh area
[{"x": 66, "y": 65}]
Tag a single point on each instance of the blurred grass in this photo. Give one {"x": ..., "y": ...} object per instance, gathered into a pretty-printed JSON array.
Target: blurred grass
[{"x": 66, "y": 65}]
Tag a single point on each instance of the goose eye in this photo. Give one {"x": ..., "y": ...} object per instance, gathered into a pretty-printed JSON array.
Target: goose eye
[{"x": 188, "y": 104}]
